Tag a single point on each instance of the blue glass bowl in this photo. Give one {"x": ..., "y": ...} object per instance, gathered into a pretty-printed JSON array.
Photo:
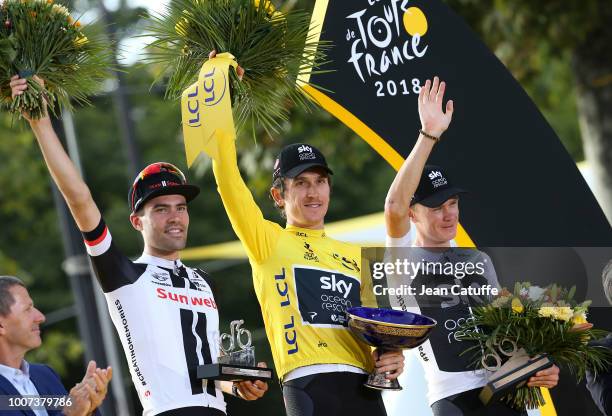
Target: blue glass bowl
[{"x": 388, "y": 328}]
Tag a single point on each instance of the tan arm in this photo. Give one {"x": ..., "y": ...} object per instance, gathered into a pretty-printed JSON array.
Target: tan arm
[
  {"x": 67, "y": 178},
  {"x": 434, "y": 121}
]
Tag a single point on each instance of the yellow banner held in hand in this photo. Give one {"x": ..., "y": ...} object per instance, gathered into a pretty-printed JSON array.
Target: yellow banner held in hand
[{"x": 206, "y": 108}]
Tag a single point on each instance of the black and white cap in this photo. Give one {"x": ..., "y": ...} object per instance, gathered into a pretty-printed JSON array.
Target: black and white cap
[
  {"x": 297, "y": 158},
  {"x": 435, "y": 188}
]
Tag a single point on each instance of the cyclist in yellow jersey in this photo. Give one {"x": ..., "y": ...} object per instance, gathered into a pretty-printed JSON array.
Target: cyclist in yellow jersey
[{"x": 304, "y": 282}]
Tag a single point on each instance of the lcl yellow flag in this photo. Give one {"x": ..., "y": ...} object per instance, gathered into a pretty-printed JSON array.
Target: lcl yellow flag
[{"x": 206, "y": 108}]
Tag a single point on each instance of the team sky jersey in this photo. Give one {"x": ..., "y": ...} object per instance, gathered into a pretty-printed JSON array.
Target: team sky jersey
[
  {"x": 445, "y": 367},
  {"x": 167, "y": 320},
  {"x": 304, "y": 280}
]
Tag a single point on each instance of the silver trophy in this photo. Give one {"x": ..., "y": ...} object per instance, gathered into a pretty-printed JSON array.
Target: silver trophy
[
  {"x": 235, "y": 365},
  {"x": 514, "y": 372}
]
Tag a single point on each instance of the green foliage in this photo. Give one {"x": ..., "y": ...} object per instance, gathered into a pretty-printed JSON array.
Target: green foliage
[
  {"x": 68, "y": 345},
  {"x": 9, "y": 266},
  {"x": 41, "y": 38},
  {"x": 272, "y": 46},
  {"x": 540, "y": 321}
]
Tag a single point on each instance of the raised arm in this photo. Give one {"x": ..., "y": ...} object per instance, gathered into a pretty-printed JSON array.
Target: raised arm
[
  {"x": 76, "y": 193},
  {"x": 434, "y": 122},
  {"x": 258, "y": 236}
]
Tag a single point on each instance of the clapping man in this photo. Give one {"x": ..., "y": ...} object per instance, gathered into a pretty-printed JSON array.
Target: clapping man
[{"x": 19, "y": 333}]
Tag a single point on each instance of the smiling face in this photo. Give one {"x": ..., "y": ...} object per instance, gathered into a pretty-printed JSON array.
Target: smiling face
[
  {"x": 163, "y": 222},
  {"x": 436, "y": 227},
  {"x": 20, "y": 328},
  {"x": 305, "y": 199}
]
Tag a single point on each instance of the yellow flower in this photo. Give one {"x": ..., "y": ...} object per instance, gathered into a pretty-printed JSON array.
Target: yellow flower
[
  {"x": 562, "y": 313},
  {"x": 579, "y": 318},
  {"x": 517, "y": 306},
  {"x": 49, "y": 1},
  {"x": 77, "y": 24}
]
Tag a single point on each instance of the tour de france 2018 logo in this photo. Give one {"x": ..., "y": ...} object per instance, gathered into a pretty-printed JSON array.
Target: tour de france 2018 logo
[{"x": 383, "y": 35}]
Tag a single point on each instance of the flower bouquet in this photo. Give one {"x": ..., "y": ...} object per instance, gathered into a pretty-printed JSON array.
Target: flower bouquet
[
  {"x": 272, "y": 46},
  {"x": 40, "y": 38},
  {"x": 532, "y": 325}
]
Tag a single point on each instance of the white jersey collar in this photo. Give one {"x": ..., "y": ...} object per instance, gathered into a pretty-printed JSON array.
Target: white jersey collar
[{"x": 158, "y": 261}]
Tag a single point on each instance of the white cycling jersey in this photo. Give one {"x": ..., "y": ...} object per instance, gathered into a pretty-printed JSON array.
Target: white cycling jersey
[
  {"x": 447, "y": 370},
  {"x": 167, "y": 320}
]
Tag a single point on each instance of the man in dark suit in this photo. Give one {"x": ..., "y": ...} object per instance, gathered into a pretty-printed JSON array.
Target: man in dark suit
[
  {"x": 600, "y": 385},
  {"x": 19, "y": 333}
]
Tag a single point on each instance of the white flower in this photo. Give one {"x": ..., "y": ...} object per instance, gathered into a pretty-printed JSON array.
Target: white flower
[
  {"x": 535, "y": 293},
  {"x": 524, "y": 292},
  {"x": 58, "y": 8}
]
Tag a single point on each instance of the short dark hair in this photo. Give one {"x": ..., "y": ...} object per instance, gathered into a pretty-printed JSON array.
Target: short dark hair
[
  {"x": 606, "y": 278},
  {"x": 279, "y": 183},
  {"x": 6, "y": 297}
]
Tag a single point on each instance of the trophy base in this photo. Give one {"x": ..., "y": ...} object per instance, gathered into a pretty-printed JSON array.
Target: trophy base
[
  {"x": 514, "y": 373},
  {"x": 229, "y": 372},
  {"x": 380, "y": 382}
]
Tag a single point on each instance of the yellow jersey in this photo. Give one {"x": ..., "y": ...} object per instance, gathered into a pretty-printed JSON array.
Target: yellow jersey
[{"x": 304, "y": 280}]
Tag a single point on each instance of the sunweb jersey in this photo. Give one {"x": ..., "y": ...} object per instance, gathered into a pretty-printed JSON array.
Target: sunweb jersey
[
  {"x": 303, "y": 279},
  {"x": 167, "y": 320}
]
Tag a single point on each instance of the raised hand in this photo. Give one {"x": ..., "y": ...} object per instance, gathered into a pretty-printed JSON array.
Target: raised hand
[
  {"x": 19, "y": 86},
  {"x": 434, "y": 120},
  {"x": 239, "y": 69}
]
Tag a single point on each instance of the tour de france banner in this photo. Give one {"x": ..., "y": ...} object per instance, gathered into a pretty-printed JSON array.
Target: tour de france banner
[{"x": 524, "y": 188}]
